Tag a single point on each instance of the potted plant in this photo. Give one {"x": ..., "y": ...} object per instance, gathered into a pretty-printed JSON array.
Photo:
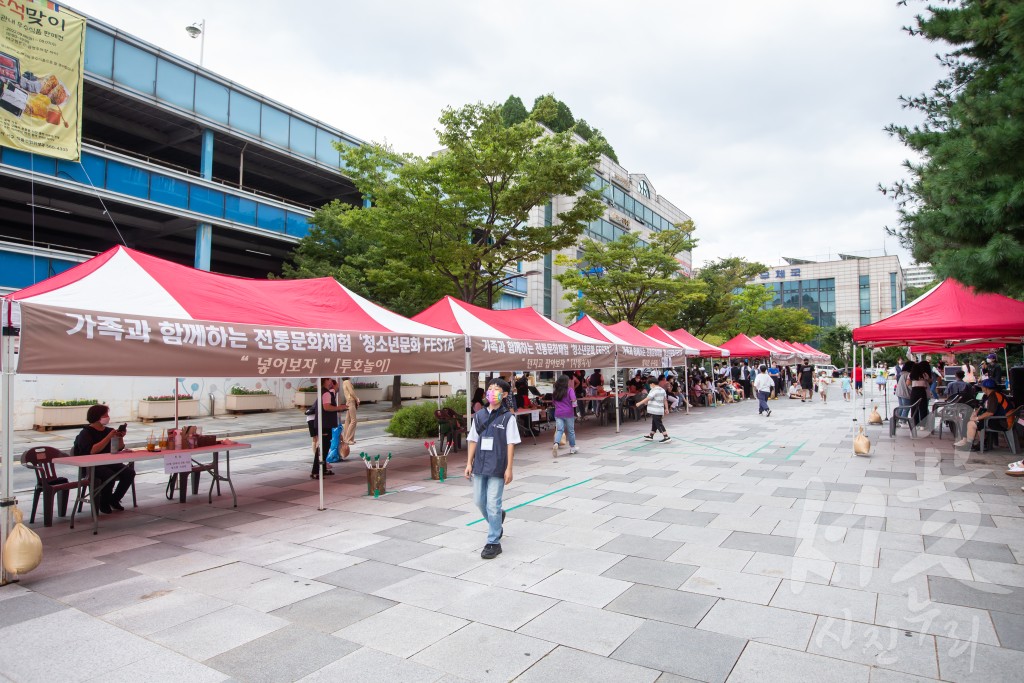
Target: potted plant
[
  {"x": 304, "y": 396},
  {"x": 436, "y": 389},
  {"x": 71, "y": 413},
  {"x": 162, "y": 407},
  {"x": 242, "y": 399},
  {"x": 368, "y": 392},
  {"x": 409, "y": 391}
]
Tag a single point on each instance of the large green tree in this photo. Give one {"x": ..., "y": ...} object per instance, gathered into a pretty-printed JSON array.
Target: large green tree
[
  {"x": 464, "y": 213},
  {"x": 719, "y": 308},
  {"x": 838, "y": 342},
  {"x": 626, "y": 279},
  {"x": 752, "y": 318},
  {"x": 962, "y": 207}
]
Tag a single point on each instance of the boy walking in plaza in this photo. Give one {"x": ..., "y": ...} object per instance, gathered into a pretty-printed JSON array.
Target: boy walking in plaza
[
  {"x": 493, "y": 435},
  {"x": 655, "y": 403},
  {"x": 763, "y": 384}
]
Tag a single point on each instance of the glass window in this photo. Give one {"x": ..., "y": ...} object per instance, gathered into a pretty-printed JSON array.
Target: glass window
[
  {"x": 127, "y": 180},
  {"x": 99, "y": 52},
  {"x": 90, "y": 170},
  {"x": 25, "y": 160},
  {"x": 325, "y": 151},
  {"x": 211, "y": 99},
  {"x": 170, "y": 191},
  {"x": 239, "y": 209},
  {"x": 274, "y": 126},
  {"x": 244, "y": 113},
  {"x": 298, "y": 225},
  {"x": 175, "y": 84},
  {"x": 134, "y": 68},
  {"x": 302, "y": 137},
  {"x": 270, "y": 218},
  {"x": 204, "y": 200}
]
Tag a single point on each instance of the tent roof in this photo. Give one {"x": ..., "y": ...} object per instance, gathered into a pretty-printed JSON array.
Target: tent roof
[
  {"x": 637, "y": 338},
  {"x": 948, "y": 314},
  {"x": 706, "y": 350},
  {"x": 130, "y": 282},
  {"x": 520, "y": 324},
  {"x": 744, "y": 347},
  {"x": 778, "y": 350},
  {"x": 661, "y": 333},
  {"x": 590, "y": 327}
]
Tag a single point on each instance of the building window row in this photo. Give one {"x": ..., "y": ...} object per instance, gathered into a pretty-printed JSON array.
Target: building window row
[
  {"x": 606, "y": 231},
  {"x": 622, "y": 200},
  {"x": 132, "y": 181},
  {"x": 131, "y": 66},
  {"x": 817, "y": 296},
  {"x": 865, "y": 299}
]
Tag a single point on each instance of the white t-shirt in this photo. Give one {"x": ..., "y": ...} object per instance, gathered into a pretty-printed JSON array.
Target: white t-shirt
[
  {"x": 656, "y": 400},
  {"x": 763, "y": 382}
]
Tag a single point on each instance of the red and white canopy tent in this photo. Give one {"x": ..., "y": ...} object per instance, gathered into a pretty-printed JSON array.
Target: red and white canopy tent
[
  {"x": 779, "y": 352},
  {"x": 950, "y": 316},
  {"x": 681, "y": 336},
  {"x": 742, "y": 346},
  {"x": 126, "y": 313}
]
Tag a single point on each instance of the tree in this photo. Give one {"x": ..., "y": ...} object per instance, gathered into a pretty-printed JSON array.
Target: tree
[
  {"x": 464, "y": 213},
  {"x": 838, "y": 342},
  {"x": 718, "y": 309},
  {"x": 915, "y": 292},
  {"x": 627, "y": 280},
  {"x": 514, "y": 111},
  {"x": 962, "y": 208},
  {"x": 790, "y": 324},
  {"x": 553, "y": 113}
]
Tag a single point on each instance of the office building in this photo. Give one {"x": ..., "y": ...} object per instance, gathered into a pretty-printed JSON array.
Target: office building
[
  {"x": 852, "y": 291},
  {"x": 918, "y": 275}
]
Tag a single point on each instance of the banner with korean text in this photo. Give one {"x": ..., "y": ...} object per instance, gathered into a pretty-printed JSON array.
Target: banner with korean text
[
  {"x": 42, "y": 59},
  {"x": 76, "y": 342}
]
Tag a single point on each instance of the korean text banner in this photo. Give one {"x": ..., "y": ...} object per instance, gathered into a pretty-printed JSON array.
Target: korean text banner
[
  {"x": 512, "y": 354},
  {"x": 76, "y": 342},
  {"x": 42, "y": 56}
]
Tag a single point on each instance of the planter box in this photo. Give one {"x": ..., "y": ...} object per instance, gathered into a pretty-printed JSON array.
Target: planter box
[
  {"x": 304, "y": 399},
  {"x": 407, "y": 392},
  {"x": 370, "y": 395},
  {"x": 164, "y": 410},
  {"x": 244, "y": 403},
  {"x": 62, "y": 416},
  {"x": 435, "y": 390}
]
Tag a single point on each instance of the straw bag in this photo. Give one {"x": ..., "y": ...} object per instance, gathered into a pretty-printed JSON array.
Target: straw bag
[
  {"x": 565, "y": 439},
  {"x": 861, "y": 443},
  {"x": 24, "y": 550},
  {"x": 873, "y": 417}
]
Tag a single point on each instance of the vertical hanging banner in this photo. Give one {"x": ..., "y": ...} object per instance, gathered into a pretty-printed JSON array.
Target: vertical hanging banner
[{"x": 42, "y": 58}]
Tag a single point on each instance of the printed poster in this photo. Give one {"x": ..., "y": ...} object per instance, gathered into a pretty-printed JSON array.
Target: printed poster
[{"x": 42, "y": 58}]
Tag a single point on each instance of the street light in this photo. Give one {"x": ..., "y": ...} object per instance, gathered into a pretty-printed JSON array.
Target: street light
[{"x": 198, "y": 30}]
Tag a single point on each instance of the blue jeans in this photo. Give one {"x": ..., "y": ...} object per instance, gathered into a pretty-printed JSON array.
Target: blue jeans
[
  {"x": 487, "y": 495},
  {"x": 567, "y": 425},
  {"x": 762, "y": 402}
]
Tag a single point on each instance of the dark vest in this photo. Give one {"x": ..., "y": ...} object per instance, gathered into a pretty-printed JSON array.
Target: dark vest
[{"x": 491, "y": 463}]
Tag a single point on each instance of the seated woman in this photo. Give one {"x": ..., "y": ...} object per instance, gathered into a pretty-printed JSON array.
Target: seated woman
[{"x": 97, "y": 437}]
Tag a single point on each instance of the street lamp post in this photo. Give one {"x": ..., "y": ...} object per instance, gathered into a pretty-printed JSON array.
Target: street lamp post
[{"x": 198, "y": 30}]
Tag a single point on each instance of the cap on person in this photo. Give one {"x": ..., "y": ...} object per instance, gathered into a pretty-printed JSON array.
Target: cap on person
[
  {"x": 991, "y": 356},
  {"x": 988, "y": 384}
]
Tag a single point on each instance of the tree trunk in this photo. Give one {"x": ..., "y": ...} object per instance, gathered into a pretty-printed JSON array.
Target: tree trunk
[{"x": 396, "y": 392}]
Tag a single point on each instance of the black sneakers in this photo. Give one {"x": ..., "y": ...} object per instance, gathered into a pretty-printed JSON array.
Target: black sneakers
[
  {"x": 666, "y": 439},
  {"x": 649, "y": 437},
  {"x": 769, "y": 413},
  {"x": 491, "y": 551}
]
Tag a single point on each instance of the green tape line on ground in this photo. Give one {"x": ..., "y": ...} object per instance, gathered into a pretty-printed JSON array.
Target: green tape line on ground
[{"x": 551, "y": 493}]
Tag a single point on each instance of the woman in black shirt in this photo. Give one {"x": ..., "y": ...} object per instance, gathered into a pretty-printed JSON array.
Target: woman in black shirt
[{"x": 97, "y": 438}]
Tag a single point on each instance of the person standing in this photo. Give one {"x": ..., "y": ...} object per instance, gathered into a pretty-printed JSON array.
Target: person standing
[
  {"x": 995, "y": 370},
  {"x": 655, "y": 403},
  {"x": 114, "y": 480},
  {"x": 858, "y": 379},
  {"x": 493, "y": 435},
  {"x": 970, "y": 375},
  {"x": 764, "y": 384},
  {"x": 565, "y": 415},
  {"x": 920, "y": 381},
  {"x": 745, "y": 380},
  {"x": 329, "y": 403},
  {"x": 351, "y": 418},
  {"x": 805, "y": 373},
  {"x": 844, "y": 382}
]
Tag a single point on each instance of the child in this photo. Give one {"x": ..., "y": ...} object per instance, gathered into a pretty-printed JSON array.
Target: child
[
  {"x": 823, "y": 383},
  {"x": 655, "y": 403},
  {"x": 845, "y": 384}
]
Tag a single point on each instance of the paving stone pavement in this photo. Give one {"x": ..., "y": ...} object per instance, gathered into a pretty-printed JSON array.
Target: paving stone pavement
[{"x": 746, "y": 549}]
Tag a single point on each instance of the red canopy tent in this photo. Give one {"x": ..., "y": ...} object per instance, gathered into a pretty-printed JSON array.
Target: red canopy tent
[
  {"x": 742, "y": 346},
  {"x": 779, "y": 352},
  {"x": 706, "y": 350},
  {"x": 951, "y": 313},
  {"x": 633, "y": 347},
  {"x": 516, "y": 339}
]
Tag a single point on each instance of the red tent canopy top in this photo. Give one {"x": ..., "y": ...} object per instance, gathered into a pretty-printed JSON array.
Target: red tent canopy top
[
  {"x": 742, "y": 346},
  {"x": 684, "y": 338},
  {"x": 951, "y": 313}
]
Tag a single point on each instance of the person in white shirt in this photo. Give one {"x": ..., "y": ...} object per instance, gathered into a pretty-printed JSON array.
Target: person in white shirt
[
  {"x": 763, "y": 384},
  {"x": 655, "y": 403}
]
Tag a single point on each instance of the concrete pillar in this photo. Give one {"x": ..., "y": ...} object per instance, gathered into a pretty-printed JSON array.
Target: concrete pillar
[{"x": 204, "y": 231}]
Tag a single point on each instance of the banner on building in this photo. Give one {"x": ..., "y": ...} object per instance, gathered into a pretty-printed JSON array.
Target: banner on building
[{"x": 42, "y": 56}]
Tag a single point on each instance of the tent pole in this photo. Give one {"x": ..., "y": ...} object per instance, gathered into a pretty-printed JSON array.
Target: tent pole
[
  {"x": 320, "y": 439},
  {"x": 686, "y": 383},
  {"x": 7, "y": 398},
  {"x": 1006, "y": 366},
  {"x": 616, "y": 376},
  {"x": 176, "y": 403},
  {"x": 853, "y": 427},
  {"x": 469, "y": 390}
]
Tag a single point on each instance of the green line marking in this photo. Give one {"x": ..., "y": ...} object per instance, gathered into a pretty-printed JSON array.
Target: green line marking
[
  {"x": 796, "y": 450},
  {"x": 551, "y": 493},
  {"x": 751, "y": 453}
]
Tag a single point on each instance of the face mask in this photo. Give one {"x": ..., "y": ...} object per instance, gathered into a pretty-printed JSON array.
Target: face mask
[
  {"x": 104, "y": 420},
  {"x": 493, "y": 396}
]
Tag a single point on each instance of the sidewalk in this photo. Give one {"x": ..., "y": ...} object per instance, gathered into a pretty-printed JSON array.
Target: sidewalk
[{"x": 745, "y": 549}]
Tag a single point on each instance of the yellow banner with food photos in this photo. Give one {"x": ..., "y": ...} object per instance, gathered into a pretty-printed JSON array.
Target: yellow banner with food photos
[{"x": 42, "y": 57}]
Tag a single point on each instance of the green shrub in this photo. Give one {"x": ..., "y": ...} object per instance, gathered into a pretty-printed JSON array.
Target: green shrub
[
  {"x": 181, "y": 397},
  {"x": 456, "y": 403},
  {"x": 307, "y": 390},
  {"x": 414, "y": 422},
  {"x": 73, "y": 402},
  {"x": 242, "y": 391}
]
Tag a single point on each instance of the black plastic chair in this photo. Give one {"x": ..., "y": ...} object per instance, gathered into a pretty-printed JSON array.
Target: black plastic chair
[{"x": 49, "y": 485}]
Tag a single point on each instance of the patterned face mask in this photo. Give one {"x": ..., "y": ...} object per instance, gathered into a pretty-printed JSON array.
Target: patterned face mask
[{"x": 493, "y": 396}]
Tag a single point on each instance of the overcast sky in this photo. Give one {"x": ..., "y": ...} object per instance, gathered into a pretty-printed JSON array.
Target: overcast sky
[{"x": 761, "y": 120}]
